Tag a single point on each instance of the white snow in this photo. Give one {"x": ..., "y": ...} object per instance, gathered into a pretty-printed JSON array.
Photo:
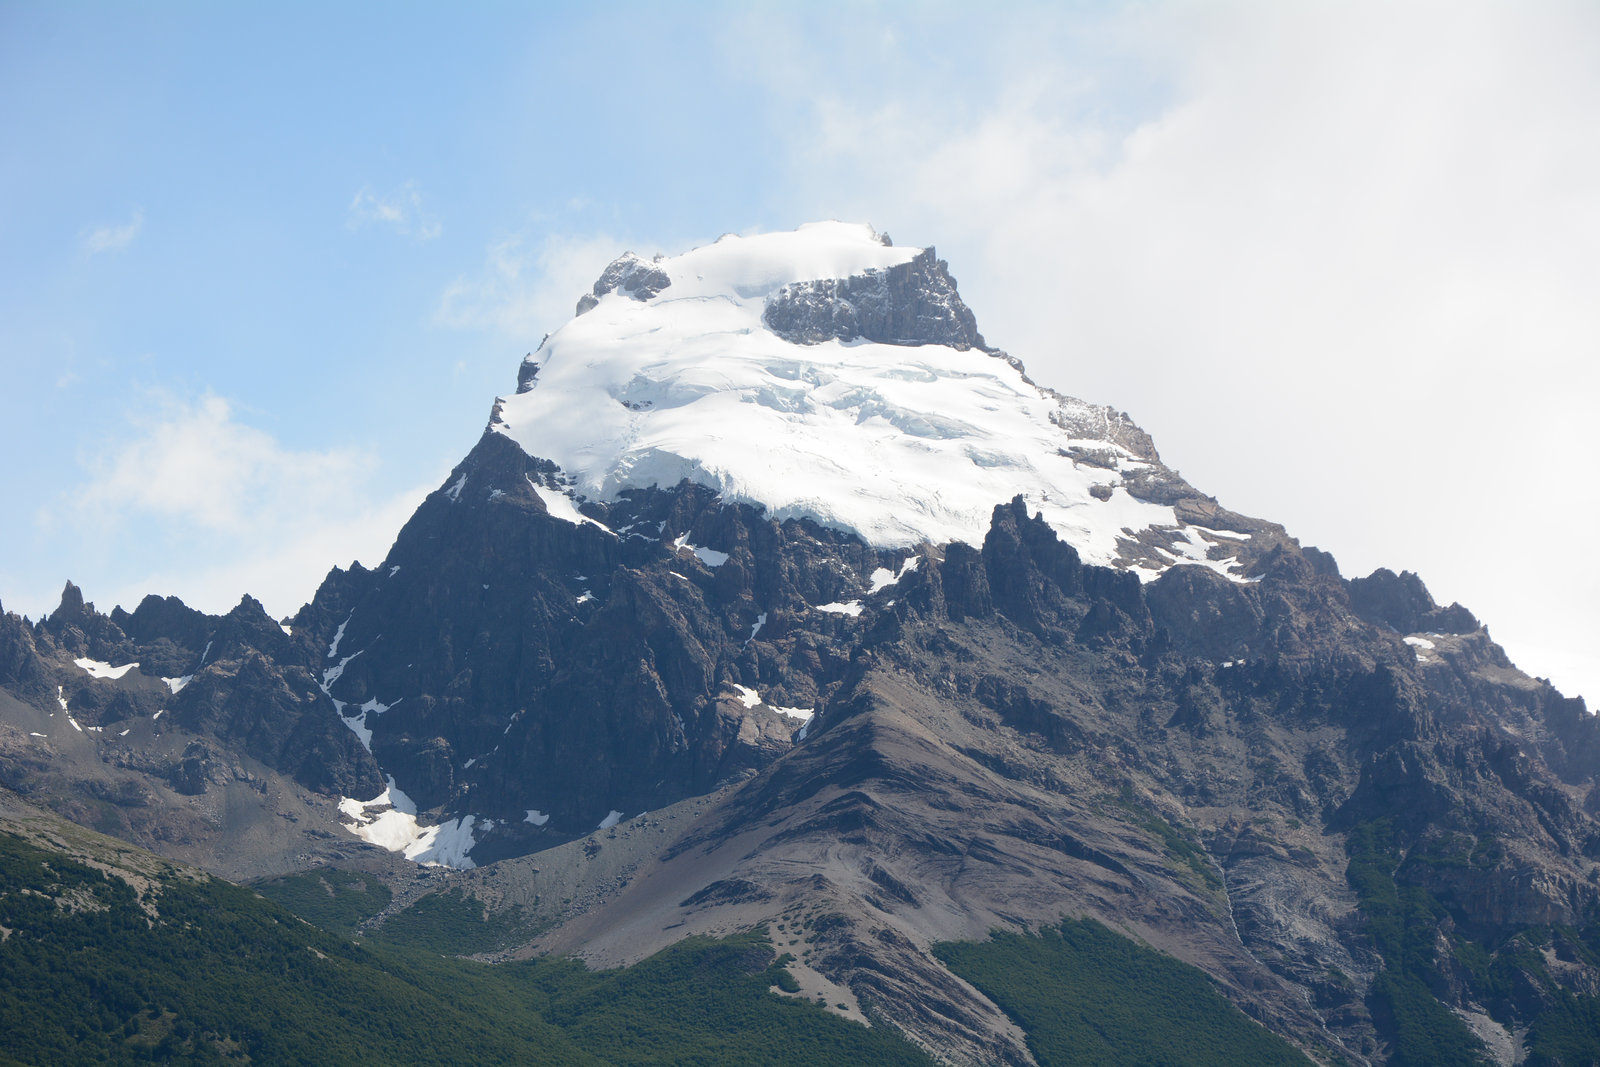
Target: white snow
[
  {"x": 394, "y": 570},
  {"x": 358, "y": 722},
  {"x": 206, "y": 652},
  {"x": 585, "y": 597},
  {"x": 709, "y": 556},
  {"x": 1419, "y": 642},
  {"x": 537, "y": 817},
  {"x": 747, "y": 696},
  {"x": 1195, "y": 549},
  {"x": 563, "y": 507},
  {"x": 454, "y": 492},
  {"x": 803, "y": 714},
  {"x": 338, "y": 635},
  {"x": 159, "y": 712},
  {"x": 467, "y": 765},
  {"x": 331, "y": 674},
  {"x": 899, "y": 444},
  {"x": 177, "y": 684},
  {"x": 851, "y": 608},
  {"x": 98, "y": 669},
  {"x": 286, "y": 628},
  {"x": 610, "y": 820},
  {"x": 32, "y": 734},
  {"x": 761, "y": 620},
  {"x": 1231, "y": 535},
  {"x": 389, "y": 821},
  {"x": 883, "y": 577},
  {"x": 61, "y": 698}
]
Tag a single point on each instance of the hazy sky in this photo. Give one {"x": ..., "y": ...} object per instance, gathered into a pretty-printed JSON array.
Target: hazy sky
[{"x": 264, "y": 267}]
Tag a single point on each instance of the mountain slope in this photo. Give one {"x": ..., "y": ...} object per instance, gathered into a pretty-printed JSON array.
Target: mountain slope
[{"x": 775, "y": 596}]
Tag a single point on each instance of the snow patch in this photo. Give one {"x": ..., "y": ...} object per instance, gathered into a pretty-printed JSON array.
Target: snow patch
[
  {"x": 332, "y": 674},
  {"x": 338, "y": 635},
  {"x": 610, "y": 820},
  {"x": 563, "y": 507},
  {"x": 585, "y": 597},
  {"x": 454, "y": 492},
  {"x": 747, "y": 696},
  {"x": 97, "y": 669},
  {"x": 358, "y": 722},
  {"x": 177, "y": 684},
  {"x": 537, "y": 817},
  {"x": 804, "y": 715},
  {"x": 61, "y": 698},
  {"x": 851, "y": 608},
  {"x": 883, "y": 577},
  {"x": 1193, "y": 548},
  {"x": 389, "y": 821},
  {"x": 709, "y": 556},
  {"x": 159, "y": 712}
]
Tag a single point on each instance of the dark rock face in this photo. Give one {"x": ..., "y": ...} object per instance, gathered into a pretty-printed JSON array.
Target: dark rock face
[
  {"x": 914, "y": 303},
  {"x": 1403, "y": 603},
  {"x": 629, "y": 275},
  {"x": 1001, "y": 735}
]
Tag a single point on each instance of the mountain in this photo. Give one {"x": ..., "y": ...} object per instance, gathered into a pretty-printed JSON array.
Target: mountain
[{"x": 776, "y": 599}]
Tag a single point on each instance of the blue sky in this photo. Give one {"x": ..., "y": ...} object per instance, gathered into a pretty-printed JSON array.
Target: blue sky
[{"x": 263, "y": 268}]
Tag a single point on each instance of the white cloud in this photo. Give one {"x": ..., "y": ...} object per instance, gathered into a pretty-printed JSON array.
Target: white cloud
[
  {"x": 114, "y": 238},
  {"x": 223, "y": 509},
  {"x": 1340, "y": 262},
  {"x": 528, "y": 287},
  {"x": 400, "y": 210}
]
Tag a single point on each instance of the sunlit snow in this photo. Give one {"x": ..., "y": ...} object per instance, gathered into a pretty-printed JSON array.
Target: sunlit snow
[
  {"x": 851, "y": 608},
  {"x": 899, "y": 444},
  {"x": 610, "y": 820},
  {"x": 883, "y": 577},
  {"x": 177, "y": 684},
  {"x": 96, "y": 669},
  {"x": 561, "y": 506},
  {"x": 389, "y": 821},
  {"x": 537, "y": 817},
  {"x": 709, "y": 556}
]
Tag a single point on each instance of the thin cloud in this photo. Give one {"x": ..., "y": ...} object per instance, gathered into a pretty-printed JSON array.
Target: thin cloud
[
  {"x": 527, "y": 288},
  {"x": 223, "y": 508},
  {"x": 196, "y": 464},
  {"x": 114, "y": 238},
  {"x": 400, "y": 210},
  {"x": 1361, "y": 226}
]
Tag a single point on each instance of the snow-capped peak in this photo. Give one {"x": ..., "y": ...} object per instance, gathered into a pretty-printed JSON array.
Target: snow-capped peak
[{"x": 826, "y": 374}]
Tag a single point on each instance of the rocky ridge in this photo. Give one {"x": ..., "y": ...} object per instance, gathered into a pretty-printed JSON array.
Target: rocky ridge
[{"x": 667, "y": 712}]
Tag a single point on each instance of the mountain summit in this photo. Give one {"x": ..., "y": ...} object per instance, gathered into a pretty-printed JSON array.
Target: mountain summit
[
  {"x": 776, "y": 600},
  {"x": 825, "y": 374}
]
